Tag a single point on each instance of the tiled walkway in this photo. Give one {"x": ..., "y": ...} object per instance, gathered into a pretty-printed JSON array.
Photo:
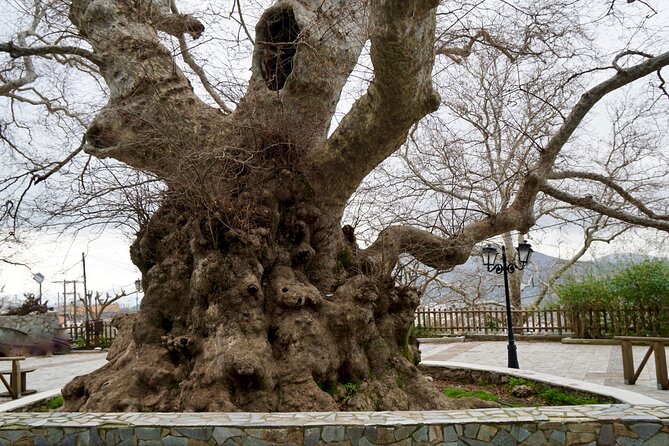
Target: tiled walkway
[
  {"x": 598, "y": 364},
  {"x": 52, "y": 373}
]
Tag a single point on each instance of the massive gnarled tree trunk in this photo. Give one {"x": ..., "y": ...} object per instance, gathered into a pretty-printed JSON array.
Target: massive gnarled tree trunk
[{"x": 255, "y": 297}]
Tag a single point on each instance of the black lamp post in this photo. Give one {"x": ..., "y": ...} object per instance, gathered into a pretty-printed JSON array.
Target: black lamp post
[{"x": 489, "y": 254}]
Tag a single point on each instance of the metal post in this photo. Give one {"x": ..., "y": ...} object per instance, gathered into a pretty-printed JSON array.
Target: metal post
[
  {"x": 512, "y": 355},
  {"x": 87, "y": 303},
  {"x": 65, "y": 303},
  {"x": 74, "y": 309}
]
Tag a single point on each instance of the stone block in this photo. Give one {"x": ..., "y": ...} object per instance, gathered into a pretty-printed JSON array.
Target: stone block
[
  {"x": 435, "y": 433},
  {"x": 221, "y": 434},
  {"x": 661, "y": 439},
  {"x": 295, "y": 435},
  {"x": 196, "y": 433},
  {"x": 147, "y": 433},
  {"x": 171, "y": 440},
  {"x": 503, "y": 438},
  {"x": 331, "y": 434},
  {"x": 620, "y": 430},
  {"x": 403, "y": 432},
  {"x": 582, "y": 427},
  {"x": 536, "y": 439},
  {"x": 385, "y": 435},
  {"x": 486, "y": 433},
  {"x": 370, "y": 434},
  {"x": 420, "y": 435},
  {"x": 606, "y": 436},
  {"x": 471, "y": 430},
  {"x": 275, "y": 436},
  {"x": 148, "y": 443},
  {"x": 557, "y": 438},
  {"x": 520, "y": 433},
  {"x": 580, "y": 437},
  {"x": 450, "y": 434},
  {"x": 645, "y": 430},
  {"x": 355, "y": 433},
  {"x": 312, "y": 436}
]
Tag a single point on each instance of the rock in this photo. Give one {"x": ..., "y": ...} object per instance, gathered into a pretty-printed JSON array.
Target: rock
[{"x": 522, "y": 391}]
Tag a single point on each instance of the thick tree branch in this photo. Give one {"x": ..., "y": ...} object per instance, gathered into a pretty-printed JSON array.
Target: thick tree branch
[
  {"x": 434, "y": 251},
  {"x": 48, "y": 50},
  {"x": 589, "y": 202},
  {"x": 153, "y": 116},
  {"x": 402, "y": 51},
  {"x": 610, "y": 183}
]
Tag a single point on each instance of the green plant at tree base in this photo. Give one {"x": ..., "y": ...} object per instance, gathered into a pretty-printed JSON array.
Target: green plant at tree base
[
  {"x": 454, "y": 392},
  {"x": 104, "y": 342},
  {"x": 558, "y": 398},
  {"x": 424, "y": 332},
  {"x": 55, "y": 402},
  {"x": 351, "y": 389}
]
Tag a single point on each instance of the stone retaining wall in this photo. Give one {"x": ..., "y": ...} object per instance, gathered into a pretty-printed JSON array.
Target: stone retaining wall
[
  {"x": 38, "y": 327},
  {"x": 32, "y": 334},
  {"x": 604, "y": 425}
]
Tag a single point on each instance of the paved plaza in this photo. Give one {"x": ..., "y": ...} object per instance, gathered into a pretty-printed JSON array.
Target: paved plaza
[
  {"x": 52, "y": 373},
  {"x": 596, "y": 364}
]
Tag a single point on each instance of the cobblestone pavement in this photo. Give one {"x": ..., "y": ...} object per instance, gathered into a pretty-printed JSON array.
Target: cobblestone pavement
[{"x": 598, "y": 364}]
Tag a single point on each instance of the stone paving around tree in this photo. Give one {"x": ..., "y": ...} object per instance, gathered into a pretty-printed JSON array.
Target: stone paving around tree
[{"x": 605, "y": 425}]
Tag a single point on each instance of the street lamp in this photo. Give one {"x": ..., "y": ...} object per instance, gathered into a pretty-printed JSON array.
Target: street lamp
[
  {"x": 489, "y": 255},
  {"x": 39, "y": 278}
]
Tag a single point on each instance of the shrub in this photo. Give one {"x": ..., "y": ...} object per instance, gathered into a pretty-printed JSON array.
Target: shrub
[
  {"x": 632, "y": 300},
  {"x": 55, "y": 402}
]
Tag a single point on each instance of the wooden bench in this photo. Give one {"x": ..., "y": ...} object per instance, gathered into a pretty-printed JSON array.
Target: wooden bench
[
  {"x": 656, "y": 346},
  {"x": 12, "y": 380},
  {"x": 17, "y": 378}
]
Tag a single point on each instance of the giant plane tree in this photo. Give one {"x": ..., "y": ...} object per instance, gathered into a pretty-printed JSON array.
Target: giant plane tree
[{"x": 257, "y": 297}]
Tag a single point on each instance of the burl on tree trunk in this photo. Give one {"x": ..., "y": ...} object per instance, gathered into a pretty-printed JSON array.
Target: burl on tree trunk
[{"x": 255, "y": 298}]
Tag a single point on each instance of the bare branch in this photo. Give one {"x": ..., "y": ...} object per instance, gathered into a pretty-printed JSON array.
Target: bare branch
[
  {"x": 185, "y": 54},
  {"x": 21, "y": 51},
  {"x": 588, "y": 202},
  {"x": 457, "y": 54},
  {"x": 609, "y": 182},
  {"x": 61, "y": 164}
]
